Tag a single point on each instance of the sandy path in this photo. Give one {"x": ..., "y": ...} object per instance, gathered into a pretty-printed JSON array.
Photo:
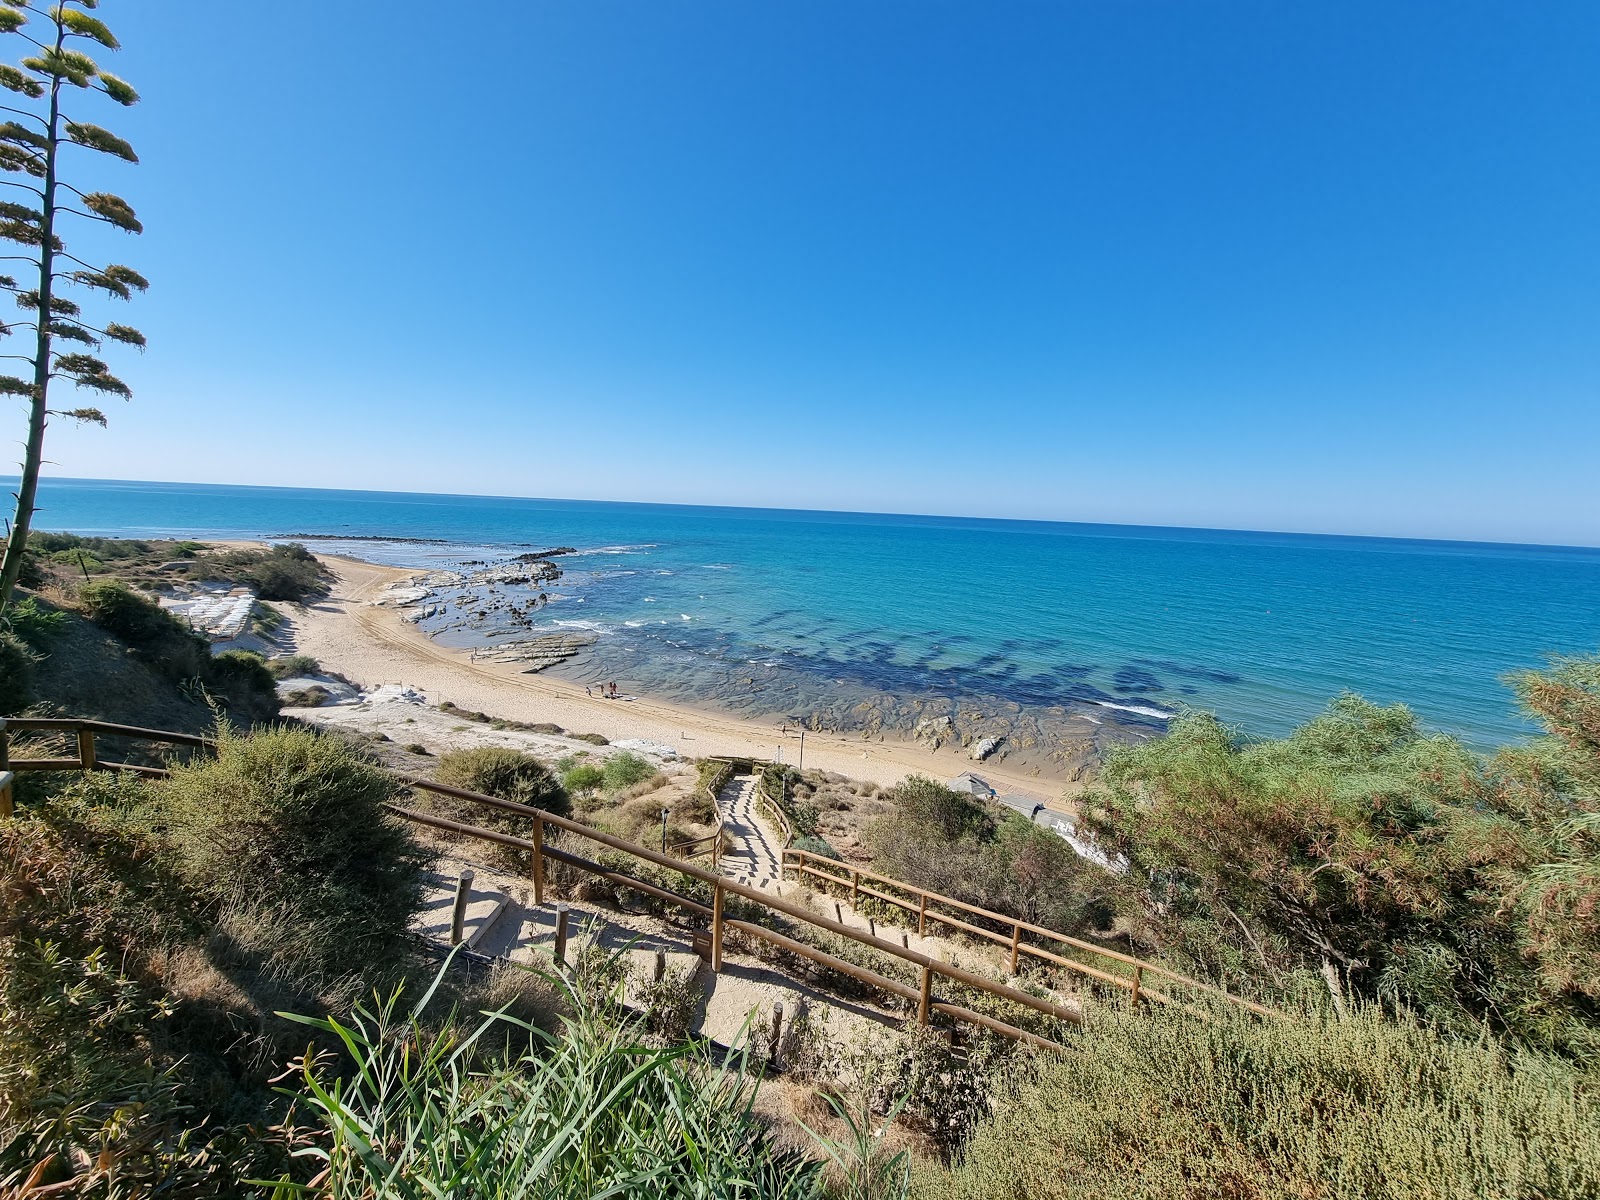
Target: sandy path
[
  {"x": 372, "y": 645},
  {"x": 755, "y": 856}
]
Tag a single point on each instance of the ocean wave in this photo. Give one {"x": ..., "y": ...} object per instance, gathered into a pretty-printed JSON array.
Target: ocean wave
[
  {"x": 590, "y": 626},
  {"x": 1141, "y": 709},
  {"x": 633, "y": 624},
  {"x": 716, "y": 566},
  {"x": 617, "y": 549}
]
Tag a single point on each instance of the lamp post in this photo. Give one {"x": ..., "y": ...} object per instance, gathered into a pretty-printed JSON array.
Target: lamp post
[
  {"x": 664, "y": 813},
  {"x": 801, "y": 765}
]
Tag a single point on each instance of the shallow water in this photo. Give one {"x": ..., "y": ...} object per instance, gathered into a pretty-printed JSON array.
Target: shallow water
[{"x": 766, "y": 611}]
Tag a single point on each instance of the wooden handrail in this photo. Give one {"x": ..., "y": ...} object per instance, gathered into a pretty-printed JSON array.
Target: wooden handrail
[
  {"x": 892, "y": 986},
  {"x": 803, "y": 862},
  {"x": 927, "y": 966},
  {"x": 105, "y": 728}
]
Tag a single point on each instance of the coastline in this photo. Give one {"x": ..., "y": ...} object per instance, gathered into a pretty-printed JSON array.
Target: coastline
[{"x": 372, "y": 645}]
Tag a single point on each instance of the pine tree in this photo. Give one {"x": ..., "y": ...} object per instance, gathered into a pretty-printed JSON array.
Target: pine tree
[{"x": 31, "y": 142}]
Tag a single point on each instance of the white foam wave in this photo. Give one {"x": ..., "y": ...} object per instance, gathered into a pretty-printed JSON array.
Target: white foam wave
[
  {"x": 590, "y": 626},
  {"x": 1141, "y": 709}
]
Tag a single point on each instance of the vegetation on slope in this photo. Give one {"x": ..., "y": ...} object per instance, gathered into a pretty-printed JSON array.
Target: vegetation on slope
[
  {"x": 955, "y": 845},
  {"x": 1396, "y": 865},
  {"x": 151, "y": 930},
  {"x": 1160, "y": 1106},
  {"x": 286, "y": 571}
]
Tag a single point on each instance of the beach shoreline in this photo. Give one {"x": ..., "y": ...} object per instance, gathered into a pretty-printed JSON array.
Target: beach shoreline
[{"x": 352, "y": 634}]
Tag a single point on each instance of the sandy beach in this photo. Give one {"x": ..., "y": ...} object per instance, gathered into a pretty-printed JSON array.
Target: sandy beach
[{"x": 370, "y": 644}]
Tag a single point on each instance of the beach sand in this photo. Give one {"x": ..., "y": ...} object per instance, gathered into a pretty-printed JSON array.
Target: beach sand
[{"x": 371, "y": 645}]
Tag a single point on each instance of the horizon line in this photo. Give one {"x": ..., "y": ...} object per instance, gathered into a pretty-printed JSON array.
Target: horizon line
[{"x": 842, "y": 512}]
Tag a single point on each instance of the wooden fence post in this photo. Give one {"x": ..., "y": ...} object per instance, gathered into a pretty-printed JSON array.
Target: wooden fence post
[
  {"x": 86, "y": 754},
  {"x": 716, "y": 927},
  {"x": 561, "y": 935},
  {"x": 926, "y": 1003},
  {"x": 538, "y": 860},
  {"x": 7, "y": 805},
  {"x": 1133, "y": 995},
  {"x": 458, "y": 913},
  {"x": 777, "y": 1033},
  {"x": 1016, "y": 940},
  {"x": 855, "y": 889},
  {"x": 5, "y": 747},
  {"x": 922, "y": 915}
]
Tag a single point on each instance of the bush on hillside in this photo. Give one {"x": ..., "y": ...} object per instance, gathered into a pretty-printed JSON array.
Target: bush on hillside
[
  {"x": 246, "y": 688},
  {"x": 162, "y": 640},
  {"x": 626, "y": 769},
  {"x": 585, "y": 777},
  {"x": 35, "y": 622},
  {"x": 16, "y": 673},
  {"x": 293, "y": 666},
  {"x": 97, "y": 1058},
  {"x": 1162, "y": 1105},
  {"x": 283, "y": 572},
  {"x": 1395, "y": 864},
  {"x": 948, "y": 842},
  {"x": 505, "y": 774},
  {"x": 285, "y": 831},
  {"x": 593, "y": 1113}
]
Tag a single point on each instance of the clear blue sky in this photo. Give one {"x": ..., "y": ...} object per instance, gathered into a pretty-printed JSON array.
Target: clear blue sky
[{"x": 1268, "y": 265}]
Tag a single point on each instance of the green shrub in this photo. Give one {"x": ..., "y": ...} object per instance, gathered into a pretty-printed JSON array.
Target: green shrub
[
  {"x": 119, "y": 610},
  {"x": 16, "y": 673},
  {"x": 583, "y": 778},
  {"x": 286, "y": 572},
  {"x": 244, "y": 684},
  {"x": 590, "y": 1114},
  {"x": 35, "y": 622},
  {"x": 626, "y": 769},
  {"x": 162, "y": 640},
  {"x": 817, "y": 845},
  {"x": 285, "y": 830},
  {"x": 293, "y": 666},
  {"x": 594, "y": 739},
  {"x": 505, "y": 774},
  {"x": 1162, "y": 1105}
]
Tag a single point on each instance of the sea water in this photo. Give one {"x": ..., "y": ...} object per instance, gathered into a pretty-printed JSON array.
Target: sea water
[{"x": 776, "y": 610}]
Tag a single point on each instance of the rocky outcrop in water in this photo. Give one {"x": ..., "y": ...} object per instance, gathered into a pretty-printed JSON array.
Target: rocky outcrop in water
[{"x": 540, "y": 652}]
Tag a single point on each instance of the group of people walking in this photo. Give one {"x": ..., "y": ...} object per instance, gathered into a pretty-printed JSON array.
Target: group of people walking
[{"x": 608, "y": 691}]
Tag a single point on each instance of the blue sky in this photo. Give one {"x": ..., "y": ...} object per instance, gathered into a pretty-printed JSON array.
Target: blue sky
[{"x": 1327, "y": 267}]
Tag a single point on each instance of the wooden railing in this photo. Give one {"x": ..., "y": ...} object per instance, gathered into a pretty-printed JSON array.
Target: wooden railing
[
  {"x": 87, "y": 757},
  {"x": 775, "y": 807},
  {"x": 695, "y": 847},
  {"x": 922, "y": 903},
  {"x": 926, "y": 968}
]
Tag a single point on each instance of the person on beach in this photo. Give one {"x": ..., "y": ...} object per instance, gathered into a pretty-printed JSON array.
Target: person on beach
[{"x": 589, "y": 692}]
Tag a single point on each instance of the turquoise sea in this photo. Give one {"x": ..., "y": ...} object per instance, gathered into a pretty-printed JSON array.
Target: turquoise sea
[{"x": 784, "y": 612}]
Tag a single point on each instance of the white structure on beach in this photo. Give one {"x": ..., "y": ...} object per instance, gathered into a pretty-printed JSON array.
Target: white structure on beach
[
  {"x": 220, "y": 612},
  {"x": 969, "y": 784}
]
